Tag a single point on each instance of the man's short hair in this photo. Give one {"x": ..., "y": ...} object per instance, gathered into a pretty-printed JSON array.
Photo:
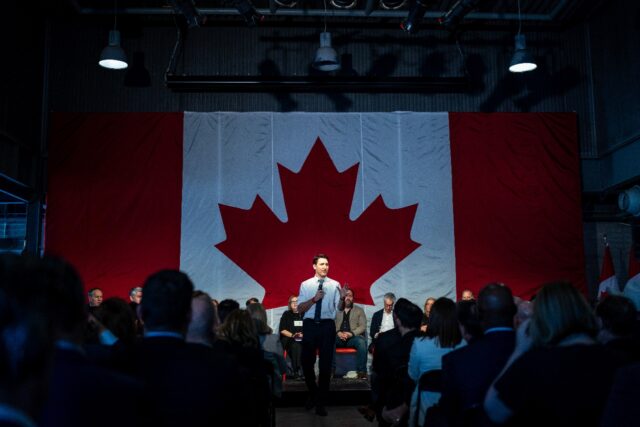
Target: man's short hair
[
  {"x": 134, "y": 291},
  {"x": 409, "y": 315},
  {"x": 92, "y": 290},
  {"x": 618, "y": 315},
  {"x": 252, "y": 300},
  {"x": 167, "y": 301},
  {"x": 496, "y": 306},
  {"x": 317, "y": 257},
  {"x": 389, "y": 295}
]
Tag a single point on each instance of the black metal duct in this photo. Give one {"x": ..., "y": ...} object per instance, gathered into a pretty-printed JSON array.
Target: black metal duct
[{"x": 181, "y": 83}]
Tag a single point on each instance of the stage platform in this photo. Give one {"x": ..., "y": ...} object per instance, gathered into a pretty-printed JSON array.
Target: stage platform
[{"x": 344, "y": 392}]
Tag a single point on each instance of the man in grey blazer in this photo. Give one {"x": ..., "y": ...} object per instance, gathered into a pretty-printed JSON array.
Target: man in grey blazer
[{"x": 351, "y": 324}]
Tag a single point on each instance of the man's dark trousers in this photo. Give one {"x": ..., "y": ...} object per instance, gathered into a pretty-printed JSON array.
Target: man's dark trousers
[{"x": 318, "y": 336}]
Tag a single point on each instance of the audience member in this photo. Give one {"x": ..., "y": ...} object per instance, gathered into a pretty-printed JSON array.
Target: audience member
[
  {"x": 557, "y": 375},
  {"x": 259, "y": 316},
  {"x": 115, "y": 328},
  {"x": 469, "y": 320},
  {"x": 95, "y": 299},
  {"x": 427, "y": 312},
  {"x": 238, "y": 336},
  {"x": 467, "y": 295},
  {"x": 351, "y": 325},
  {"x": 382, "y": 320},
  {"x": 115, "y": 315},
  {"x": 26, "y": 340},
  {"x": 200, "y": 330},
  {"x": 291, "y": 335},
  {"x": 525, "y": 311},
  {"x": 76, "y": 383},
  {"x": 617, "y": 319},
  {"x": 252, "y": 300},
  {"x": 225, "y": 307},
  {"x": 622, "y": 409},
  {"x": 186, "y": 384},
  {"x": 390, "y": 383},
  {"x": 135, "y": 296},
  {"x": 442, "y": 336},
  {"x": 468, "y": 372}
]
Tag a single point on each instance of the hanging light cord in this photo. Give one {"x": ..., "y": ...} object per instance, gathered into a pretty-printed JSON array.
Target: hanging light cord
[
  {"x": 115, "y": 15},
  {"x": 325, "y": 16},
  {"x": 519, "y": 19}
]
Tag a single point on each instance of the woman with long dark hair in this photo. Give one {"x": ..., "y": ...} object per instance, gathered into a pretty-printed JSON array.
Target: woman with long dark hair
[{"x": 442, "y": 336}]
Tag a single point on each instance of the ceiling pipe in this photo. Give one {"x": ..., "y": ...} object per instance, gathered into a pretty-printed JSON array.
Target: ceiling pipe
[
  {"x": 182, "y": 83},
  {"x": 337, "y": 13}
]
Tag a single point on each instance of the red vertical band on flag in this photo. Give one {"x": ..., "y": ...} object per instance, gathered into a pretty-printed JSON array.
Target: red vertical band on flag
[
  {"x": 516, "y": 199},
  {"x": 115, "y": 181}
]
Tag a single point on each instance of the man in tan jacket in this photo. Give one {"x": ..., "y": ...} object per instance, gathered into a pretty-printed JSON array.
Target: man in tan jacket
[{"x": 351, "y": 324}]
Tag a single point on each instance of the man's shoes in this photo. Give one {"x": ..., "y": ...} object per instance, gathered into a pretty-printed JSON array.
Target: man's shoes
[
  {"x": 362, "y": 375},
  {"x": 311, "y": 402},
  {"x": 367, "y": 412},
  {"x": 321, "y": 411}
]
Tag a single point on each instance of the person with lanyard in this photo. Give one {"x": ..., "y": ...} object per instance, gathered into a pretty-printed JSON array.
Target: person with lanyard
[{"x": 321, "y": 297}]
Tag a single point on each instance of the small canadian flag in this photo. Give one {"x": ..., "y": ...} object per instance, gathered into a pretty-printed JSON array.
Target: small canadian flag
[
  {"x": 632, "y": 288},
  {"x": 608, "y": 280}
]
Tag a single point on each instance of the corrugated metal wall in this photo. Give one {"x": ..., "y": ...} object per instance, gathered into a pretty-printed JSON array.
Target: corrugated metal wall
[{"x": 561, "y": 83}]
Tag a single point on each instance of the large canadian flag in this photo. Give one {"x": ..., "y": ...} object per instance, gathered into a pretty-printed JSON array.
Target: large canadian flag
[{"x": 419, "y": 204}]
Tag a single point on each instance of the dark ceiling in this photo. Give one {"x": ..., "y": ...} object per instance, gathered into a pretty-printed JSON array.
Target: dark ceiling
[{"x": 487, "y": 14}]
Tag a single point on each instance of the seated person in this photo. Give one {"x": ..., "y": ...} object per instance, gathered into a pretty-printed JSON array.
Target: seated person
[
  {"x": 382, "y": 320},
  {"x": 467, "y": 295},
  {"x": 351, "y": 324},
  {"x": 428, "y": 303},
  {"x": 550, "y": 378},
  {"x": 291, "y": 335}
]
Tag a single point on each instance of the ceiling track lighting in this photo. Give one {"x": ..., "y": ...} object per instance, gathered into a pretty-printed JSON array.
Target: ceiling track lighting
[
  {"x": 392, "y": 4},
  {"x": 522, "y": 60},
  {"x": 416, "y": 14},
  {"x": 344, "y": 4},
  {"x": 112, "y": 56},
  {"x": 188, "y": 9},
  {"x": 248, "y": 12},
  {"x": 286, "y": 3},
  {"x": 456, "y": 14}
]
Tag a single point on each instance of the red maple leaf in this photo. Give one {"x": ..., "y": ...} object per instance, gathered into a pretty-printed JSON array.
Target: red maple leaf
[{"x": 278, "y": 255}]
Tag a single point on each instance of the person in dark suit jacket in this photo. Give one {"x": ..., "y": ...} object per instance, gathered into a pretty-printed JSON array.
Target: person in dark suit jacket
[
  {"x": 622, "y": 408},
  {"x": 468, "y": 372},
  {"x": 382, "y": 320},
  {"x": 76, "y": 385},
  {"x": 185, "y": 383},
  {"x": 392, "y": 387}
]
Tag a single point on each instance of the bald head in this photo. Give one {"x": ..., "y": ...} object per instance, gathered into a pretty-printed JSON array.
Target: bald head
[
  {"x": 496, "y": 306},
  {"x": 202, "y": 314}
]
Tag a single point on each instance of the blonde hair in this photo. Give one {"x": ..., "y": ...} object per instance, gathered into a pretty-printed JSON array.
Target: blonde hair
[{"x": 559, "y": 311}]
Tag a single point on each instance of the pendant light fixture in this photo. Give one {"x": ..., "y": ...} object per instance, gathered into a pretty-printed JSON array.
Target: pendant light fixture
[
  {"x": 113, "y": 56},
  {"x": 522, "y": 60},
  {"x": 326, "y": 58}
]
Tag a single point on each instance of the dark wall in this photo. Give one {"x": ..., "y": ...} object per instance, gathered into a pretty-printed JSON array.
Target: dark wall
[
  {"x": 560, "y": 84},
  {"x": 21, "y": 77}
]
